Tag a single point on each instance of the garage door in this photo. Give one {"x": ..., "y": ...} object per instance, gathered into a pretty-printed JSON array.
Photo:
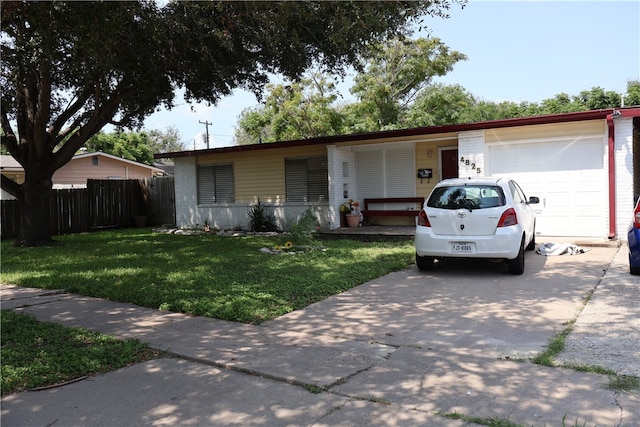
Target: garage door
[{"x": 569, "y": 178}]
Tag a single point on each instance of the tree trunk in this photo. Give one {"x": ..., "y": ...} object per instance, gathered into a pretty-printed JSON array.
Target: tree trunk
[{"x": 34, "y": 227}]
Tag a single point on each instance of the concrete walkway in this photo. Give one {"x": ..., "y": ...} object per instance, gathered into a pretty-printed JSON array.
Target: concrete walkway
[{"x": 407, "y": 349}]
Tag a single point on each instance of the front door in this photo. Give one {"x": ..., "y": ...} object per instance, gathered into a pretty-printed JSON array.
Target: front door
[{"x": 449, "y": 163}]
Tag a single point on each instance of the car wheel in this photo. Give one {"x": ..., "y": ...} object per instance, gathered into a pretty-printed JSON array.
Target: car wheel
[
  {"x": 424, "y": 263},
  {"x": 532, "y": 244},
  {"x": 633, "y": 270},
  {"x": 516, "y": 265}
]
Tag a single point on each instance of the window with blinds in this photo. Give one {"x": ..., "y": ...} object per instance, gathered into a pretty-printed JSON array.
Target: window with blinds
[
  {"x": 215, "y": 184},
  {"x": 307, "y": 179},
  {"x": 386, "y": 172}
]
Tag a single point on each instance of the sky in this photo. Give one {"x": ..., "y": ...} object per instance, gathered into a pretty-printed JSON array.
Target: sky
[{"x": 517, "y": 51}]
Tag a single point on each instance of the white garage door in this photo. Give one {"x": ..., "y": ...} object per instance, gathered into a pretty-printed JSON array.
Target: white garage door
[{"x": 569, "y": 178}]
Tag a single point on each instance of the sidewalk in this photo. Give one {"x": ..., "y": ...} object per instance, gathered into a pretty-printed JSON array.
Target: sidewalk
[
  {"x": 607, "y": 333},
  {"x": 226, "y": 373}
]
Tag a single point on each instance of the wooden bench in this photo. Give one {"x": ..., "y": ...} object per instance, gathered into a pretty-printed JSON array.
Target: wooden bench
[{"x": 413, "y": 210}]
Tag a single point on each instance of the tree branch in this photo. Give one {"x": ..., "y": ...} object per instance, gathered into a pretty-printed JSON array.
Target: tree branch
[
  {"x": 9, "y": 186},
  {"x": 58, "y": 123},
  {"x": 43, "y": 100},
  {"x": 64, "y": 133},
  {"x": 100, "y": 116},
  {"x": 8, "y": 138}
]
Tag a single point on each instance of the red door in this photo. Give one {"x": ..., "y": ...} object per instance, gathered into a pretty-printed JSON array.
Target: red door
[{"x": 449, "y": 166}]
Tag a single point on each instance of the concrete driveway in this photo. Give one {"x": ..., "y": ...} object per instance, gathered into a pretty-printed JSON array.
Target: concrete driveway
[
  {"x": 407, "y": 349},
  {"x": 462, "y": 306}
]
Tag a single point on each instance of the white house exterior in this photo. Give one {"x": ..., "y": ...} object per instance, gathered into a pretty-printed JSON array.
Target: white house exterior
[{"x": 580, "y": 165}]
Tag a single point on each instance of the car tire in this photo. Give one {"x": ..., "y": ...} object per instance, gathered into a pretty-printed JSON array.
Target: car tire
[
  {"x": 532, "y": 244},
  {"x": 633, "y": 270},
  {"x": 516, "y": 265},
  {"x": 424, "y": 263}
]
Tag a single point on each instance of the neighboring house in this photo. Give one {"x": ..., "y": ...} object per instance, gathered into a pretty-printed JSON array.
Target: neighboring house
[
  {"x": 580, "y": 165},
  {"x": 84, "y": 166},
  {"x": 166, "y": 166},
  {"x": 10, "y": 168},
  {"x": 100, "y": 165}
]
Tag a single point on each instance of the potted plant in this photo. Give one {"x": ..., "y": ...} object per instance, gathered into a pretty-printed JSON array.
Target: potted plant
[{"x": 351, "y": 210}]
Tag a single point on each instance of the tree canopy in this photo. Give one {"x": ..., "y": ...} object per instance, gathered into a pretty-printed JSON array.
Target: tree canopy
[
  {"x": 434, "y": 104},
  {"x": 392, "y": 74},
  {"x": 395, "y": 73},
  {"x": 296, "y": 110},
  {"x": 167, "y": 141},
  {"x": 137, "y": 146},
  {"x": 128, "y": 145},
  {"x": 70, "y": 68}
]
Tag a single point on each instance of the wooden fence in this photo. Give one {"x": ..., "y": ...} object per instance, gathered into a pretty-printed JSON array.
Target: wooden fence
[{"x": 103, "y": 204}]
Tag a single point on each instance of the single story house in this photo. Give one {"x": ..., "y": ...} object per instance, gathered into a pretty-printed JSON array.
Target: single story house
[
  {"x": 74, "y": 174},
  {"x": 581, "y": 166}
]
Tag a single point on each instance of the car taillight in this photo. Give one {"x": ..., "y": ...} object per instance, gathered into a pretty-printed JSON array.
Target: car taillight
[
  {"x": 508, "y": 218},
  {"x": 423, "y": 220},
  {"x": 636, "y": 216}
]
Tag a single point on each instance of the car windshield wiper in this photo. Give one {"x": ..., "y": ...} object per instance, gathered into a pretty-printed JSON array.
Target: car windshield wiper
[{"x": 458, "y": 205}]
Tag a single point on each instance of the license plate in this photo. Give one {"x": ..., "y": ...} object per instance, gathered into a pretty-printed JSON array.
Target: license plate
[{"x": 462, "y": 247}]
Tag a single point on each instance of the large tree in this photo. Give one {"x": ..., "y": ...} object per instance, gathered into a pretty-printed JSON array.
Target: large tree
[
  {"x": 70, "y": 68},
  {"x": 391, "y": 75},
  {"x": 295, "y": 110},
  {"x": 137, "y": 146},
  {"x": 167, "y": 141},
  {"x": 128, "y": 145},
  {"x": 396, "y": 72}
]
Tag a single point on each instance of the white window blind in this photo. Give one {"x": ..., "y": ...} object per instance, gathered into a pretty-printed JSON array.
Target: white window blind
[
  {"x": 386, "y": 172},
  {"x": 215, "y": 184},
  {"x": 306, "y": 179}
]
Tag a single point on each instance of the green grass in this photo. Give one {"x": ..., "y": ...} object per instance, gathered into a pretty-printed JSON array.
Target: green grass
[
  {"x": 556, "y": 345},
  {"x": 206, "y": 275},
  {"x": 37, "y": 354},
  {"x": 489, "y": 421}
]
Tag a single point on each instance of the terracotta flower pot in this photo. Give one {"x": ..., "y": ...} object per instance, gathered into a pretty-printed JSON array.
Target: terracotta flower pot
[
  {"x": 140, "y": 221},
  {"x": 353, "y": 220}
]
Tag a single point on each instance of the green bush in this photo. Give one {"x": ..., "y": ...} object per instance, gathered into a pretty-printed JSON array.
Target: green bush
[{"x": 302, "y": 229}]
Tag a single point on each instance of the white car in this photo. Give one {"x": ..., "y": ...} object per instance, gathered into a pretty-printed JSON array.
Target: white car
[{"x": 476, "y": 218}]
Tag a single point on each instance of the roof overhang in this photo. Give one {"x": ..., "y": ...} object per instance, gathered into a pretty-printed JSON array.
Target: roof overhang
[{"x": 120, "y": 159}]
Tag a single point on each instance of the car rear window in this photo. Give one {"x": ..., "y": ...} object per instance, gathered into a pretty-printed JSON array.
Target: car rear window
[{"x": 466, "y": 196}]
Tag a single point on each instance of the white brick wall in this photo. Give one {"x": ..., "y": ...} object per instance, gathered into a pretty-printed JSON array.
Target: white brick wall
[
  {"x": 338, "y": 183},
  {"x": 471, "y": 149},
  {"x": 186, "y": 196},
  {"x": 624, "y": 174}
]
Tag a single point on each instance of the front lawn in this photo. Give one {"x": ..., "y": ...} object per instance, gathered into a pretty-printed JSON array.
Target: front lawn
[
  {"x": 205, "y": 275},
  {"x": 40, "y": 354}
]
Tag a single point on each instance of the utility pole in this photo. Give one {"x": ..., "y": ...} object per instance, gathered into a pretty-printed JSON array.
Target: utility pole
[{"x": 206, "y": 124}]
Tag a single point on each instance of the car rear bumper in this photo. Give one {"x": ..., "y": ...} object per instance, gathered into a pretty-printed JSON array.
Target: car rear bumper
[{"x": 504, "y": 244}]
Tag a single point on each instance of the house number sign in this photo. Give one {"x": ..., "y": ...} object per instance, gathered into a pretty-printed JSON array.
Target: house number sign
[{"x": 470, "y": 164}]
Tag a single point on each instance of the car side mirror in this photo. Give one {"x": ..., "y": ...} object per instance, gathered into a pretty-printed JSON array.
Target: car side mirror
[{"x": 533, "y": 200}]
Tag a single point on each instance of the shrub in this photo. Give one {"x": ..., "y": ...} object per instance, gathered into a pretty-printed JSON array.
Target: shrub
[
  {"x": 302, "y": 229},
  {"x": 261, "y": 219}
]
